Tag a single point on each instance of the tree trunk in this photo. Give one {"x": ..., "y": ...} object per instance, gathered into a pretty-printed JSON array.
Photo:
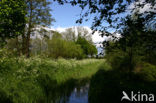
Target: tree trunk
[
  {"x": 28, "y": 45},
  {"x": 18, "y": 47},
  {"x": 29, "y": 31},
  {"x": 23, "y": 43}
]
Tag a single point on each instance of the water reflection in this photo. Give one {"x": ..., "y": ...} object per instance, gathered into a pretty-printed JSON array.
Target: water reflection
[
  {"x": 71, "y": 91},
  {"x": 79, "y": 95}
]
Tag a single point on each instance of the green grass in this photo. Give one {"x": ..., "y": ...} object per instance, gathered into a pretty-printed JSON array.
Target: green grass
[
  {"x": 79, "y": 72},
  {"x": 34, "y": 80}
]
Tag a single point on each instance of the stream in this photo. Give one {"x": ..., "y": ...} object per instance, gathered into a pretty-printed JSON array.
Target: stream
[{"x": 79, "y": 95}]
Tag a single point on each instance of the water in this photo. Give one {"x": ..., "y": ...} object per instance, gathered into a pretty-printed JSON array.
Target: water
[
  {"x": 71, "y": 91},
  {"x": 79, "y": 95}
]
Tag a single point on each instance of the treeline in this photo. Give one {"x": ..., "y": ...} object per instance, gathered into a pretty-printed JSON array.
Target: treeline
[
  {"x": 132, "y": 58},
  {"x": 20, "y": 20},
  {"x": 60, "y": 45},
  {"x": 135, "y": 50},
  {"x": 53, "y": 44}
]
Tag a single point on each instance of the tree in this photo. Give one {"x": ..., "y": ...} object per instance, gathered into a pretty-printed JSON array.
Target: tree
[
  {"x": 12, "y": 19},
  {"x": 38, "y": 13},
  {"x": 69, "y": 35},
  {"x": 88, "y": 48},
  {"x": 72, "y": 34},
  {"x": 58, "y": 47},
  {"x": 83, "y": 32},
  {"x": 135, "y": 45},
  {"x": 108, "y": 14},
  {"x": 93, "y": 50},
  {"x": 150, "y": 47}
]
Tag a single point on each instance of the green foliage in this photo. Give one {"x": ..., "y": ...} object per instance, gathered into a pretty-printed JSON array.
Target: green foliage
[
  {"x": 132, "y": 58},
  {"x": 121, "y": 61},
  {"x": 6, "y": 53},
  {"x": 38, "y": 13},
  {"x": 149, "y": 46},
  {"x": 88, "y": 48},
  {"x": 63, "y": 45},
  {"x": 57, "y": 47},
  {"x": 4, "y": 98},
  {"x": 135, "y": 45},
  {"x": 115, "y": 59},
  {"x": 111, "y": 83},
  {"x": 38, "y": 80},
  {"x": 148, "y": 71},
  {"x": 12, "y": 17},
  {"x": 109, "y": 11}
]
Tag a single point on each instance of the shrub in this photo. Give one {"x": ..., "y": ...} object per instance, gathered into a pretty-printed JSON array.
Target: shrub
[
  {"x": 148, "y": 72},
  {"x": 118, "y": 60},
  {"x": 6, "y": 53},
  {"x": 4, "y": 98}
]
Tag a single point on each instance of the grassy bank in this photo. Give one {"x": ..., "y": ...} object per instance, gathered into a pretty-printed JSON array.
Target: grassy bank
[{"x": 35, "y": 80}]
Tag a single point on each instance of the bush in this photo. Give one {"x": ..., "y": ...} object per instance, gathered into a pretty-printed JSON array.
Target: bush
[
  {"x": 122, "y": 61},
  {"x": 4, "y": 98},
  {"x": 119, "y": 60},
  {"x": 148, "y": 72},
  {"x": 6, "y": 53}
]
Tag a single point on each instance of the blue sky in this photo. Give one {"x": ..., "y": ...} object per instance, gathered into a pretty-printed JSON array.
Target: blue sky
[{"x": 66, "y": 15}]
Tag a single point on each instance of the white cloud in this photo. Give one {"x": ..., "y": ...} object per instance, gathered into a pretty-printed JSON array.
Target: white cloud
[
  {"x": 146, "y": 7},
  {"x": 60, "y": 29},
  {"x": 97, "y": 38}
]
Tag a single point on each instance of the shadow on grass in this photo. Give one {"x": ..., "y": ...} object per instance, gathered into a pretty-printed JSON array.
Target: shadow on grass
[
  {"x": 4, "y": 98},
  {"x": 107, "y": 86}
]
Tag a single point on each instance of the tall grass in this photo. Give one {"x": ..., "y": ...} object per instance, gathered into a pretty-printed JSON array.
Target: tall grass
[{"x": 30, "y": 80}]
